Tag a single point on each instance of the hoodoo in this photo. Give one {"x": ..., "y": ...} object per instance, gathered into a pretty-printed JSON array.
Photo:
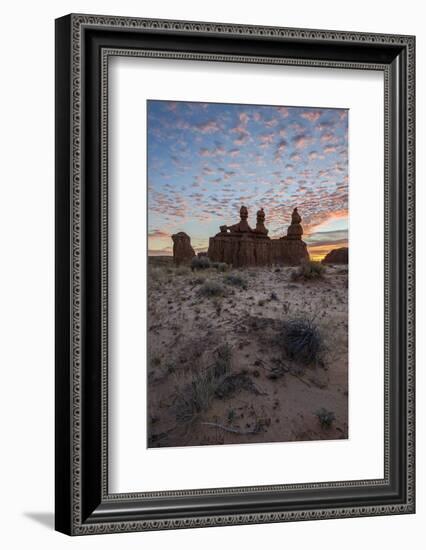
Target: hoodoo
[
  {"x": 182, "y": 249},
  {"x": 241, "y": 246}
]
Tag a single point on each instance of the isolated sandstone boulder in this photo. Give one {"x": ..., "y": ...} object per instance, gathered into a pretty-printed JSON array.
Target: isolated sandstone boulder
[
  {"x": 182, "y": 249},
  {"x": 337, "y": 256}
]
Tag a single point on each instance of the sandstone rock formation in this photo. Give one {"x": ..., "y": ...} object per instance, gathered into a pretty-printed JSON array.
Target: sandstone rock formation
[
  {"x": 337, "y": 256},
  {"x": 182, "y": 249},
  {"x": 260, "y": 222},
  {"x": 295, "y": 230},
  {"x": 290, "y": 249},
  {"x": 289, "y": 252},
  {"x": 242, "y": 226},
  {"x": 241, "y": 246}
]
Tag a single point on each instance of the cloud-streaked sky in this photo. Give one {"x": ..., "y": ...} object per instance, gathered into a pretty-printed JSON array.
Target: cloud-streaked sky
[{"x": 207, "y": 159}]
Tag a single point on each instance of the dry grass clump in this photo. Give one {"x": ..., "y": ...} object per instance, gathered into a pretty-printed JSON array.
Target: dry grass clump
[
  {"x": 234, "y": 279},
  {"x": 200, "y": 262},
  {"x": 325, "y": 417},
  {"x": 220, "y": 266},
  {"x": 308, "y": 271},
  {"x": 302, "y": 341},
  {"x": 195, "y": 397},
  {"x": 211, "y": 289}
]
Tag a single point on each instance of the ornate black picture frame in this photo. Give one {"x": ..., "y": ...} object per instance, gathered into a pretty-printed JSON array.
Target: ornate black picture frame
[{"x": 83, "y": 45}]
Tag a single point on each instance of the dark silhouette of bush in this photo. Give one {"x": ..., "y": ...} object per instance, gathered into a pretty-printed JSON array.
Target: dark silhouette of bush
[
  {"x": 325, "y": 417},
  {"x": 211, "y": 289},
  {"x": 302, "y": 341},
  {"x": 200, "y": 262},
  {"x": 308, "y": 271},
  {"x": 234, "y": 279}
]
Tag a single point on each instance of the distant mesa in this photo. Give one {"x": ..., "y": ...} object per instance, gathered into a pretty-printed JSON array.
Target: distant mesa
[
  {"x": 182, "y": 249},
  {"x": 337, "y": 256}
]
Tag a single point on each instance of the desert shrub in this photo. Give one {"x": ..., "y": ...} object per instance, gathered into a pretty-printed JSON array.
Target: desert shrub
[
  {"x": 302, "y": 341},
  {"x": 171, "y": 367},
  {"x": 235, "y": 280},
  {"x": 156, "y": 361},
  {"x": 210, "y": 289},
  {"x": 273, "y": 296},
  {"x": 222, "y": 266},
  {"x": 231, "y": 416},
  {"x": 196, "y": 396},
  {"x": 222, "y": 363},
  {"x": 200, "y": 262},
  {"x": 308, "y": 271},
  {"x": 325, "y": 417}
]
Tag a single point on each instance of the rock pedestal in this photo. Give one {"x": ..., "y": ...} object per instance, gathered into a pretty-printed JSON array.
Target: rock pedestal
[
  {"x": 182, "y": 249},
  {"x": 290, "y": 249},
  {"x": 241, "y": 246}
]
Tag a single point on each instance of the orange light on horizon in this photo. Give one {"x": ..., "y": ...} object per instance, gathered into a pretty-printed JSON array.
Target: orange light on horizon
[{"x": 320, "y": 251}]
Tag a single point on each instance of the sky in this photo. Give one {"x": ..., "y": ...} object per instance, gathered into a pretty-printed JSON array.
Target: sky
[{"x": 205, "y": 160}]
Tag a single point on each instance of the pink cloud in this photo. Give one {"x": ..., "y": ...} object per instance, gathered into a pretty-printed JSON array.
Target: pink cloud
[
  {"x": 282, "y": 146},
  {"x": 271, "y": 123},
  {"x": 208, "y": 127},
  {"x": 283, "y": 111},
  {"x": 328, "y": 137},
  {"x": 312, "y": 116},
  {"x": 329, "y": 149},
  {"x": 218, "y": 150},
  {"x": 301, "y": 141},
  {"x": 266, "y": 139},
  {"x": 241, "y": 139}
]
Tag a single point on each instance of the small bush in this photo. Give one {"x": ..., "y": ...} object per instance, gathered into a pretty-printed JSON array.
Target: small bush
[
  {"x": 273, "y": 297},
  {"x": 308, "y": 271},
  {"x": 220, "y": 266},
  {"x": 325, "y": 417},
  {"x": 222, "y": 364},
  {"x": 195, "y": 397},
  {"x": 231, "y": 416},
  {"x": 200, "y": 262},
  {"x": 302, "y": 341},
  {"x": 234, "y": 279},
  {"x": 210, "y": 289}
]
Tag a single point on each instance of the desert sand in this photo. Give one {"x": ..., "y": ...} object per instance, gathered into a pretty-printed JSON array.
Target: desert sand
[{"x": 218, "y": 370}]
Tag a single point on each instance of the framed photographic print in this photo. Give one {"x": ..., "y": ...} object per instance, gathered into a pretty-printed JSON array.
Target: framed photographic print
[{"x": 234, "y": 274}]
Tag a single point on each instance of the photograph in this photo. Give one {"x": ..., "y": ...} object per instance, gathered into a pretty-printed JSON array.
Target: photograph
[{"x": 248, "y": 270}]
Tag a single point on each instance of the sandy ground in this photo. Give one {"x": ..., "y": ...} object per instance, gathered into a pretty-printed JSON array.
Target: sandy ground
[{"x": 264, "y": 395}]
